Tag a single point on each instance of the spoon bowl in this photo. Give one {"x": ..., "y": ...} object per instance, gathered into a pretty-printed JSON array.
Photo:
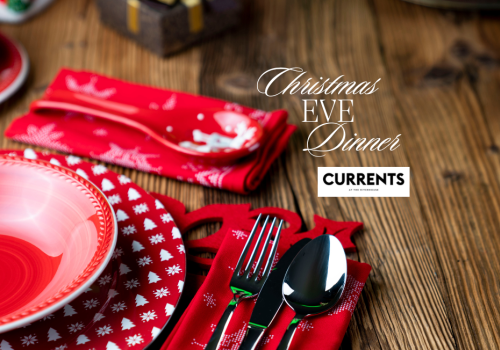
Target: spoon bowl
[{"x": 315, "y": 281}]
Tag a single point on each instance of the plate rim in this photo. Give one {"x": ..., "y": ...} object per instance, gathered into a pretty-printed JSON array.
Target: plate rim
[{"x": 24, "y": 320}]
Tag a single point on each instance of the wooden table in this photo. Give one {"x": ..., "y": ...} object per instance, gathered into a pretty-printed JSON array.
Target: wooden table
[{"x": 435, "y": 282}]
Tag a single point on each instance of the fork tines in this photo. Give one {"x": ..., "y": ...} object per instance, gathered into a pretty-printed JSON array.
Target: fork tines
[{"x": 260, "y": 261}]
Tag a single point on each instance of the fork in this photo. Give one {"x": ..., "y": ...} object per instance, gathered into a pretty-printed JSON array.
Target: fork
[{"x": 243, "y": 285}]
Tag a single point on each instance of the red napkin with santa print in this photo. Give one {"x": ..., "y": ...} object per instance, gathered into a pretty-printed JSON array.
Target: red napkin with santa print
[
  {"x": 114, "y": 143},
  {"x": 324, "y": 331}
]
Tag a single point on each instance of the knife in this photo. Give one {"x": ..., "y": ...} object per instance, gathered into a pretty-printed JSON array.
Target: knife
[{"x": 270, "y": 299}]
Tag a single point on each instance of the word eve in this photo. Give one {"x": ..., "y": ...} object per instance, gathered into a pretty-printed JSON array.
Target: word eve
[{"x": 332, "y": 134}]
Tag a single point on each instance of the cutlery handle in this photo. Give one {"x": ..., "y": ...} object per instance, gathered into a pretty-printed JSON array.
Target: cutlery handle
[
  {"x": 252, "y": 338},
  {"x": 290, "y": 331},
  {"x": 104, "y": 114},
  {"x": 215, "y": 339}
]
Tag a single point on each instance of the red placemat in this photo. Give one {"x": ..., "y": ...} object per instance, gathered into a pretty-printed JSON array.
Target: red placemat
[{"x": 211, "y": 295}]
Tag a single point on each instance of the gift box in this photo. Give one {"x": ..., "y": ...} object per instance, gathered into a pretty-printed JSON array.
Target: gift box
[{"x": 165, "y": 29}]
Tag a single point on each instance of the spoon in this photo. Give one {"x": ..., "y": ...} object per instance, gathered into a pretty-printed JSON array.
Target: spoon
[
  {"x": 210, "y": 135},
  {"x": 314, "y": 282}
]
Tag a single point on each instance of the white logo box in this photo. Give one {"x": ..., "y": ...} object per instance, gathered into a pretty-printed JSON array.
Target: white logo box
[{"x": 363, "y": 182}]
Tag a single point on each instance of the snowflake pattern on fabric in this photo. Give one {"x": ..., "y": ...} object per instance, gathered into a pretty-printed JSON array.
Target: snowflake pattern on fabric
[
  {"x": 128, "y": 230},
  {"x": 166, "y": 218},
  {"x": 144, "y": 261},
  {"x": 44, "y": 136},
  {"x": 258, "y": 115},
  {"x": 170, "y": 103},
  {"x": 120, "y": 306},
  {"x": 99, "y": 169},
  {"x": 100, "y": 132},
  {"x": 129, "y": 158},
  {"x": 231, "y": 341},
  {"x": 114, "y": 199},
  {"x": 162, "y": 292},
  {"x": 88, "y": 88},
  {"x": 209, "y": 300},
  {"x": 104, "y": 330},
  {"x": 232, "y": 106},
  {"x": 29, "y": 339},
  {"x": 140, "y": 208},
  {"x": 267, "y": 339},
  {"x": 134, "y": 283},
  {"x": 134, "y": 340},
  {"x": 104, "y": 280},
  {"x": 211, "y": 177},
  {"x": 239, "y": 234},
  {"x": 350, "y": 298},
  {"x": 305, "y": 325},
  {"x": 148, "y": 316},
  {"x": 172, "y": 270},
  {"x": 75, "y": 327},
  {"x": 91, "y": 303},
  {"x": 155, "y": 239},
  {"x": 73, "y": 160},
  {"x": 194, "y": 342},
  {"x": 123, "y": 180},
  {"x": 117, "y": 253}
]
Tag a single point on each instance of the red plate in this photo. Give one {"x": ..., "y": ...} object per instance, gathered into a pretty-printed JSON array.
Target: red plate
[
  {"x": 57, "y": 234},
  {"x": 14, "y": 66},
  {"x": 134, "y": 297}
]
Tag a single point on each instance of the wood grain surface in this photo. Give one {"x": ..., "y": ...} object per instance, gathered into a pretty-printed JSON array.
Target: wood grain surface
[{"x": 435, "y": 282}]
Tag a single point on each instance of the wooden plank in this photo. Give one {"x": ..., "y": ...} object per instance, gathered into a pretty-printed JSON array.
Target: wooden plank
[
  {"x": 453, "y": 174},
  {"x": 406, "y": 305},
  {"x": 434, "y": 283}
]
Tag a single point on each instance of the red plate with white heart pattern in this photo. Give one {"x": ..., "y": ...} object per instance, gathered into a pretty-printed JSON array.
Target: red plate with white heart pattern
[{"x": 134, "y": 297}]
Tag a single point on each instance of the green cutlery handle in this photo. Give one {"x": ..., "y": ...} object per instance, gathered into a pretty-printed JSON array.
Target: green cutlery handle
[{"x": 290, "y": 331}]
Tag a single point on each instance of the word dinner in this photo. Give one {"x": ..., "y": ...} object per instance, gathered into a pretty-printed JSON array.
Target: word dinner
[{"x": 332, "y": 115}]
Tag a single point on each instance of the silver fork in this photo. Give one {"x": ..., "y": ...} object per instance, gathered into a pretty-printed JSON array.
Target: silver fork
[{"x": 242, "y": 285}]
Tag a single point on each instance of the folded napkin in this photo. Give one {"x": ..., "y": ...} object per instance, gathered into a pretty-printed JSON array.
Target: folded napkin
[
  {"x": 114, "y": 143},
  {"x": 198, "y": 322}
]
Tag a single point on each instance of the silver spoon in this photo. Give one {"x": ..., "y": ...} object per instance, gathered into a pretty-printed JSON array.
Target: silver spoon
[{"x": 314, "y": 282}]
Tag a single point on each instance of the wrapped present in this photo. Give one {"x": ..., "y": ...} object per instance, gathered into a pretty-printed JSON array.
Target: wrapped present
[{"x": 167, "y": 26}]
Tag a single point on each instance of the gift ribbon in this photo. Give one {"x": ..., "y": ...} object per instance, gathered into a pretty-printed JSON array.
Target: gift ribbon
[
  {"x": 133, "y": 11},
  {"x": 195, "y": 15}
]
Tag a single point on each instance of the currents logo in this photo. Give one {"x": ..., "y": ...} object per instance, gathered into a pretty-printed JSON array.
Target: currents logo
[{"x": 364, "y": 182}]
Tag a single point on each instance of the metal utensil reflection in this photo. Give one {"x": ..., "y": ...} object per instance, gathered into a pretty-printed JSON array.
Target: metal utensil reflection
[{"x": 314, "y": 281}]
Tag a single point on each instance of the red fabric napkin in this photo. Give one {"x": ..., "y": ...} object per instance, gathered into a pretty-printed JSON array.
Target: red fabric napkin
[
  {"x": 197, "y": 323},
  {"x": 114, "y": 143}
]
